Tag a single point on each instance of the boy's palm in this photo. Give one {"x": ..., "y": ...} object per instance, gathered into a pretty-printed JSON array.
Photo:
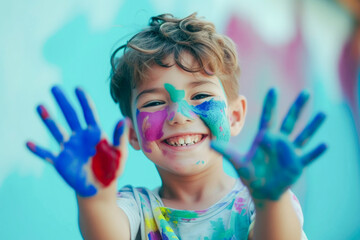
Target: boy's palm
[
  {"x": 274, "y": 162},
  {"x": 87, "y": 162}
]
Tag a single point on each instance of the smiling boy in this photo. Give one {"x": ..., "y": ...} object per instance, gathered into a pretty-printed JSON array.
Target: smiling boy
[{"x": 177, "y": 83}]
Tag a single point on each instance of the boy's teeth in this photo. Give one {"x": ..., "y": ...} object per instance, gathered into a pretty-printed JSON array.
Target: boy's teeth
[{"x": 184, "y": 140}]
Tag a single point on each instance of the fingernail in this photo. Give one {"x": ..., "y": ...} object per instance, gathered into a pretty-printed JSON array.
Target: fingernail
[
  {"x": 42, "y": 112},
  {"x": 31, "y": 146}
]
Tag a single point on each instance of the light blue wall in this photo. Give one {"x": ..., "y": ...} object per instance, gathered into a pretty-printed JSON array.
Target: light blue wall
[{"x": 69, "y": 43}]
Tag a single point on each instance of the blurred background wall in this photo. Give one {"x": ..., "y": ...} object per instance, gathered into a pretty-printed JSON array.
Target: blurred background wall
[{"x": 290, "y": 44}]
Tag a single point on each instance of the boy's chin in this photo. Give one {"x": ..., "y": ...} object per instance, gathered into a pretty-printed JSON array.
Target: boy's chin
[{"x": 190, "y": 166}]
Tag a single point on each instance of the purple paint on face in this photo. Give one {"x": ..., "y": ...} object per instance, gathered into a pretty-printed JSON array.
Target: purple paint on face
[{"x": 150, "y": 126}]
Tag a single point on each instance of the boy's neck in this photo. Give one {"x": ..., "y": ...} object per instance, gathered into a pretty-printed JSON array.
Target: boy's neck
[{"x": 196, "y": 192}]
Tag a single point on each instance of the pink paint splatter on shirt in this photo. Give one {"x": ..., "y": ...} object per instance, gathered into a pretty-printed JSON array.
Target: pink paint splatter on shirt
[
  {"x": 295, "y": 198},
  {"x": 154, "y": 235},
  {"x": 240, "y": 205}
]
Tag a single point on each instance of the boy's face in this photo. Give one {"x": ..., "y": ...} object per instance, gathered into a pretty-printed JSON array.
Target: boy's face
[{"x": 176, "y": 114}]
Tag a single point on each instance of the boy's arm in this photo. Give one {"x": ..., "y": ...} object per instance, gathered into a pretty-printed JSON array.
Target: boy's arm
[
  {"x": 276, "y": 220},
  {"x": 101, "y": 218},
  {"x": 90, "y": 165},
  {"x": 272, "y": 165}
]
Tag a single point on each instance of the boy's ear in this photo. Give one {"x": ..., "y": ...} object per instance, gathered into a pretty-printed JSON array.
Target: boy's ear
[
  {"x": 133, "y": 139},
  {"x": 237, "y": 113}
]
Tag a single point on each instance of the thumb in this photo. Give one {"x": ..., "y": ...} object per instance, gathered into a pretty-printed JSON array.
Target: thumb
[
  {"x": 120, "y": 138},
  {"x": 120, "y": 132}
]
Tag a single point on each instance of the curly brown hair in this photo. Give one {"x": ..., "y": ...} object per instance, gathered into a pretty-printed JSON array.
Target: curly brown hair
[{"x": 214, "y": 53}]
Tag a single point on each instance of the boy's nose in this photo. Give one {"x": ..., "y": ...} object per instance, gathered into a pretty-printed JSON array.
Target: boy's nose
[{"x": 181, "y": 115}]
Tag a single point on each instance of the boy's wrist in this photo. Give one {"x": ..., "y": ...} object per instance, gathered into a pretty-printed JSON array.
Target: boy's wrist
[
  {"x": 262, "y": 204},
  {"x": 107, "y": 194}
]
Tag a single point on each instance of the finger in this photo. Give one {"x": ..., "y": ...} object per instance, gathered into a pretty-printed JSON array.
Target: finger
[
  {"x": 41, "y": 152},
  {"x": 309, "y": 130},
  {"x": 308, "y": 158},
  {"x": 51, "y": 124},
  {"x": 268, "y": 109},
  {"x": 87, "y": 107},
  {"x": 66, "y": 108},
  {"x": 119, "y": 133},
  {"x": 229, "y": 153},
  {"x": 294, "y": 112}
]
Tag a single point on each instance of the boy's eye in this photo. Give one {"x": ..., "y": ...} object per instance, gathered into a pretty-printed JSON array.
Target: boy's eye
[
  {"x": 153, "y": 104},
  {"x": 200, "y": 96}
]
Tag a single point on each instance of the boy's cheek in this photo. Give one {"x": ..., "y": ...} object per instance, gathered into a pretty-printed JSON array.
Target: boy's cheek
[
  {"x": 213, "y": 114},
  {"x": 150, "y": 126}
]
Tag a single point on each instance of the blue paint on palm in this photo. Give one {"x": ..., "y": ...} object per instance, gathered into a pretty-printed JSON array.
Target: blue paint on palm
[
  {"x": 274, "y": 162},
  {"x": 71, "y": 161}
]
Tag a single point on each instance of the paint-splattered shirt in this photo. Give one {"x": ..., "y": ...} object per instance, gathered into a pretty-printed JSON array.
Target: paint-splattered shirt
[{"x": 229, "y": 219}]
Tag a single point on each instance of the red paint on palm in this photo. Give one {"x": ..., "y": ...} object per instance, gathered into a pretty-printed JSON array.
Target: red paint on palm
[{"x": 106, "y": 162}]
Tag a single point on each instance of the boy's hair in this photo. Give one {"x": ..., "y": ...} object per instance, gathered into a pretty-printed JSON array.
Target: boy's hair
[{"x": 215, "y": 54}]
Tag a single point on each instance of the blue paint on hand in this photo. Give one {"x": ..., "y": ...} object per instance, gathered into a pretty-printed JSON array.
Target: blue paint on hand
[
  {"x": 274, "y": 162},
  {"x": 79, "y": 148}
]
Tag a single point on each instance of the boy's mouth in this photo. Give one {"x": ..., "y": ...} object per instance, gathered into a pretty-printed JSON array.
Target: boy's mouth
[{"x": 184, "y": 140}]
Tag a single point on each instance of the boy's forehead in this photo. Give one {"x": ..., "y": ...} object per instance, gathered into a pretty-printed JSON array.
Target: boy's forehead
[{"x": 158, "y": 75}]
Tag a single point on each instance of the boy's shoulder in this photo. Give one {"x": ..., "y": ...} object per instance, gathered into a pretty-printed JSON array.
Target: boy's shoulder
[{"x": 139, "y": 195}]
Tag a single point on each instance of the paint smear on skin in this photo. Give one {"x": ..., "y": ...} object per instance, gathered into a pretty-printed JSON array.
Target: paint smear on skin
[
  {"x": 105, "y": 162},
  {"x": 31, "y": 146},
  {"x": 212, "y": 112},
  {"x": 43, "y": 112},
  {"x": 177, "y": 96},
  {"x": 150, "y": 126}
]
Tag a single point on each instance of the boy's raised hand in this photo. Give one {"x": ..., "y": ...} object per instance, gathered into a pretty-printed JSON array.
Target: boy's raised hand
[
  {"x": 87, "y": 162},
  {"x": 275, "y": 162}
]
